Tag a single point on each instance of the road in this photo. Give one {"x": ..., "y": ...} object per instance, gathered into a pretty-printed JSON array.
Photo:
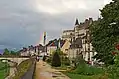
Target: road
[{"x": 45, "y": 71}]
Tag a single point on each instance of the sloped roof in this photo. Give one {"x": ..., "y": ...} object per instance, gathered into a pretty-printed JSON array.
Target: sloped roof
[{"x": 55, "y": 43}]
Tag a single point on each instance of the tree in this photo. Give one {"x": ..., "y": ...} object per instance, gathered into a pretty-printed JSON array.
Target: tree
[
  {"x": 105, "y": 32},
  {"x": 13, "y": 53},
  {"x": 6, "y": 52},
  {"x": 56, "y": 62}
]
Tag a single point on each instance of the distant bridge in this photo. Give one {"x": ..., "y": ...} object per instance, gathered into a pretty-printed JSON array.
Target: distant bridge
[
  {"x": 16, "y": 60},
  {"x": 12, "y": 61}
]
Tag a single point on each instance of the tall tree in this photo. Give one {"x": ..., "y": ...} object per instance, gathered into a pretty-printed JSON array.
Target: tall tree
[
  {"x": 105, "y": 32},
  {"x": 56, "y": 62},
  {"x": 6, "y": 52}
]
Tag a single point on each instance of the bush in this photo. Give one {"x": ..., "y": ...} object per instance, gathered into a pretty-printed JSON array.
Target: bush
[
  {"x": 66, "y": 61},
  {"x": 56, "y": 62},
  {"x": 48, "y": 60},
  {"x": 84, "y": 69},
  {"x": 88, "y": 70}
]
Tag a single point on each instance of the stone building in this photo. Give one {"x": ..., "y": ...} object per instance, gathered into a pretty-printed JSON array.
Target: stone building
[
  {"x": 62, "y": 44},
  {"x": 80, "y": 41},
  {"x": 67, "y": 35},
  {"x": 31, "y": 50}
]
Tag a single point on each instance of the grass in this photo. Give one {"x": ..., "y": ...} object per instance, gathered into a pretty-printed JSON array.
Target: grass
[
  {"x": 85, "y": 71},
  {"x": 4, "y": 70},
  {"x": 23, "y": 68},
  {"x": 78, "y": 76}
]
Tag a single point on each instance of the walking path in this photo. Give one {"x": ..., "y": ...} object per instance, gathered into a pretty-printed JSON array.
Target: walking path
[
  {"x": 44, "y": 71},
  {"x": 29, "y": 73}
]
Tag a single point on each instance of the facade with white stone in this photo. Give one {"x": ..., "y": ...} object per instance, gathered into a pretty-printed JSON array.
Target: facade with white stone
[{"x": 81, "y": 41}]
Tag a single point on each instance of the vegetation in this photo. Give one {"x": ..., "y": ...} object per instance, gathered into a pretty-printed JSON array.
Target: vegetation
[
  {"x": 4, "y": 70},
  {"x": 105, "y": 38},
  {"x": 10, "y": 53},
  {"x": 56, "y": 61},
  {"x": 105, "y": 32},
  {"x": 23, "y": 68},
  {"x": 83, "y": 71},
  {"x": 6, "y": 52},
  {"x": 78, "y": 76}
]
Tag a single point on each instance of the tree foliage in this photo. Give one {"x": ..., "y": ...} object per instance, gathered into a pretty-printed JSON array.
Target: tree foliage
[
  {"x": 6, "y": 52},
  {"x": 56, "y": 61},
  {"x": 14, "y": 53},
  {"x": 105, "y": 32}
]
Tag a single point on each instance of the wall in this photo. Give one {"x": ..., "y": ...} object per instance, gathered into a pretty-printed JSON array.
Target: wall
[
  {"x": 65, "y": 46},
  {"x": 51, "y": 49}
]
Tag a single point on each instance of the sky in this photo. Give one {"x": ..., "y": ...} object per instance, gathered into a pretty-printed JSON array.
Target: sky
[{"x": 22, "y": 22}]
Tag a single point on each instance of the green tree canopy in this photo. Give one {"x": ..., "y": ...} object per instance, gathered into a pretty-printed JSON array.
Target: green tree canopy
[
  {"x": 105, "y": 32},
  {"x": 14, "y": 53},
  {"x": 6, "y": 52}
]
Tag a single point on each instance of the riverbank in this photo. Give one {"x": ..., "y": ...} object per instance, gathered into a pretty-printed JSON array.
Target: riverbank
[{"x": 4, "y": 70}]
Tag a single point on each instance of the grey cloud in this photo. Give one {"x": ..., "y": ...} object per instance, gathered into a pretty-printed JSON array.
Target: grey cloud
[{"x": 21, "y": 25}]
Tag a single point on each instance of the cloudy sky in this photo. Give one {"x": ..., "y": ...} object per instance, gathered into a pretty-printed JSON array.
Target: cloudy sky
[{"x": 22, "y": 22}]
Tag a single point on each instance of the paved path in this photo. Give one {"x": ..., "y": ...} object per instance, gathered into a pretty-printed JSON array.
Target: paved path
[
  {"x": 44, "y": 71},
  {"x": 29, "y": 74}
]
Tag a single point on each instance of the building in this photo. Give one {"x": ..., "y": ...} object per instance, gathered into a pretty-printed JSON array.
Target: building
[
  {"x": 80, "y": 41},
  {"x": 65, "y": 46},
  {"x": 67, "y": 35},
  {"x": 54, "y": 44},
  {"x": 23, "y": 52},
  {"x": 51, "y": 47},
  {"x": 31, "y": 50},
  {"x": 75, "y": 49}
]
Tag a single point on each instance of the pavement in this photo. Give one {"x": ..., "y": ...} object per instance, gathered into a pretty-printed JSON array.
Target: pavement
[
  {"x": 45, "y": 71},
  {"x": 30, "y": 73}
]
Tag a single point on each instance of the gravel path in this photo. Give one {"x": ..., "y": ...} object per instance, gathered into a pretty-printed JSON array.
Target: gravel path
[{"x": 44, "y": 71}]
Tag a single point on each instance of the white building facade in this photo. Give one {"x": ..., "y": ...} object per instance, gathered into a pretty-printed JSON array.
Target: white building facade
[{"x": 82, "y": 31}]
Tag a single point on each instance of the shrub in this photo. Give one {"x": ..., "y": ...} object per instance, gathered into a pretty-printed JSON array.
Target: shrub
[
  {"x": 48, "y": 60},
  {"x": 56, "y": 62},
  {"x": 66, "y": 61},
  {"x": 84, "y": 69}
]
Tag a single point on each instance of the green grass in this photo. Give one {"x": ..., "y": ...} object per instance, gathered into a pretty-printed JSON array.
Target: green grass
[
  {"x": 23, "y": 68},
  {"x": 4, "y": 70},
  {"x": 78, "y": 76},
  {"x": 84, "y": 71}
]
